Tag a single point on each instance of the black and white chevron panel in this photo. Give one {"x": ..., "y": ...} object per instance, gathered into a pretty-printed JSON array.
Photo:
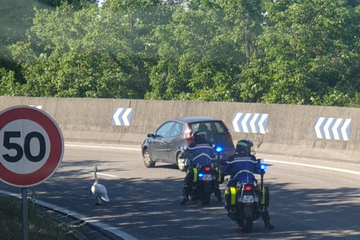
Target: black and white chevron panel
[
  {"x": 122, "y": 116},
  {"x": 250, "y": 122},
  {"x": 332, "y": 128}
]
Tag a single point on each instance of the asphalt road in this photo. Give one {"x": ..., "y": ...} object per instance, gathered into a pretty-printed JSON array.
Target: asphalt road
[{"x": 310, "y": 199}]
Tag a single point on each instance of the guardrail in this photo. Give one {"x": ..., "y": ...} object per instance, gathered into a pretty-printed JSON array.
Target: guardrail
[{"x": 293, "y": 130}]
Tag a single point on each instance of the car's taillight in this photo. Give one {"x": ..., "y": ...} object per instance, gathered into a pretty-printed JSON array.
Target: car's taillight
[
  {"x": 229, "y": 139},
  {"x": 228, "y": 136},
  {"x": 187, "y": 134}
]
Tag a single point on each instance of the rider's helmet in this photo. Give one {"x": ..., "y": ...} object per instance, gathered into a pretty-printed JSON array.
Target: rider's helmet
[
  {"x": 245, "y": 146},
  {"x": 199, "y": 136}
]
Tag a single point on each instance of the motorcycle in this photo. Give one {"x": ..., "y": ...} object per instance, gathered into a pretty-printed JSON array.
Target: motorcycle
[
  {"x": 204, "y": 186},
  {"x": 204, "y": 180},
  {"x": 247, "y": 200}
]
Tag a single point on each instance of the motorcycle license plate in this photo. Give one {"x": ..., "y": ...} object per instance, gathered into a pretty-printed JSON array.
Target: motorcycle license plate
[
  {"x": 247, "y": 199},
  {"x": 207, "y": 177}
]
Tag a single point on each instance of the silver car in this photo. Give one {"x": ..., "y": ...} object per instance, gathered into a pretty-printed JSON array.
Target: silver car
[{"x": 163, "y": 144}]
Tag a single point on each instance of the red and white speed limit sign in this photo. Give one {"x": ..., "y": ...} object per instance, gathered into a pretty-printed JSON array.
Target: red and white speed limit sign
[{"x": 31, "y": 146}]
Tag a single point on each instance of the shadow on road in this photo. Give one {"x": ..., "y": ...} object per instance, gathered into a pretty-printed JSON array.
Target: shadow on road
[{"x": 149, "y": 209}]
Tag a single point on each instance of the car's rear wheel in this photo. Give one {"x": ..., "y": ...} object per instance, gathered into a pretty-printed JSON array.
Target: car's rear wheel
[
  {"x": 180, "y": 163},
  {"x": 147, "y": 159}
]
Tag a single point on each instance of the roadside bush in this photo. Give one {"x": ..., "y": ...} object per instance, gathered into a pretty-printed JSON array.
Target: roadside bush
[{"x": 39, "y": 226}]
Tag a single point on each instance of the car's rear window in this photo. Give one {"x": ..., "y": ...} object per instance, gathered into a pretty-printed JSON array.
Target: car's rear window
[{"x": 209, "y": 127}]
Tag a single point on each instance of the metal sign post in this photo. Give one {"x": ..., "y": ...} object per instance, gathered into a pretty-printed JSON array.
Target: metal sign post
[{"x": 24, "y": 213}]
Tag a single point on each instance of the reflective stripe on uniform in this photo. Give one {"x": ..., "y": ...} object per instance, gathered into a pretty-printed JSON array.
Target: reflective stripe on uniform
[
  {"x": 242, "y": 144},
  {"x": 233, "y": 195},
  {"x": 243, "y": 160},
  {"x": 200, "y": 146},
  {"x": 243, "y": 171},
  {"x": 195, "y": 175},
  {"x": 202, "y": 154}
]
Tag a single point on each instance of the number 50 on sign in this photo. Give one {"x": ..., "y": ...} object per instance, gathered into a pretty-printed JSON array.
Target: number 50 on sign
[{"x": 31, "y": 146}]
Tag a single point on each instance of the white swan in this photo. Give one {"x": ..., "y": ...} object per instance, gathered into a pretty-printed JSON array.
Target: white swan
[{"x": 99, "y": 190}]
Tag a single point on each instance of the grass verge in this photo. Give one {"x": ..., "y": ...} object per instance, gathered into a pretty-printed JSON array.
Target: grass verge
[{"x": 39, "y": 224}]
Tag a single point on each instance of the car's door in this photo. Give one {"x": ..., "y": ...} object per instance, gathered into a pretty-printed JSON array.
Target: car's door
[
  {"x": 176, "y": 139},
  {"x": 159, "y": 146}
]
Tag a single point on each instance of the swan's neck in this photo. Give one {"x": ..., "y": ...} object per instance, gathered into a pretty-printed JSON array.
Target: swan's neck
[{"x": 96, "y": 180}]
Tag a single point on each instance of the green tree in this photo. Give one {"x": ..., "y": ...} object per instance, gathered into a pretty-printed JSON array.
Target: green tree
[
  {"x": 57, "y": 3},
  {"x": 308, "y": 54},
  {"x": 15, "y": 19},
  {"x": 91, "y": 51},
  {"x": 203, "y": 50},
  {"x": 8, "y": 84}
]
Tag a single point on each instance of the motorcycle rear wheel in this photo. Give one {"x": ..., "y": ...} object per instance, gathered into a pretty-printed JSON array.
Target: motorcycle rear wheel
[
  {"x": 248, "y": 226},
  {"x": 205, "y": 200},
  {"x": 240, "y": 223}
]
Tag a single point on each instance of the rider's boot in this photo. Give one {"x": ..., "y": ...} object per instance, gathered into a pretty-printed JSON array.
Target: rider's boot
[
  {"x": 185, "y": 200},
  {"x": 218, "y": 194},
  {"x": 265, "y": 216},
  {"x": 232, "y": 212},
  {"x": 186, "y": 192},
  {"x": 268, "y": 225}
]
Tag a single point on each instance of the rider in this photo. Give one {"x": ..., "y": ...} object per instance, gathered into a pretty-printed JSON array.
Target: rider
[
  {"x": 242, "y": 166},
  {"x": 201, "y": 152}
]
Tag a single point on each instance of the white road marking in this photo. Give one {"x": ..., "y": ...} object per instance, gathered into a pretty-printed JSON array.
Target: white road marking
[
  {"x": 102, "y": 174},
  {"x": 87, "y": 172},
  {"x": 269, "y": 160},
  {"x": 102, "y": 147},
  {"x": 314, "y": 166}
]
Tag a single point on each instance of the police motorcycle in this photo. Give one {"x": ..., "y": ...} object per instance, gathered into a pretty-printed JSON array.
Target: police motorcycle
[
  {"x": 247, "y": 200},
  {"x": 204, "y": 179}
]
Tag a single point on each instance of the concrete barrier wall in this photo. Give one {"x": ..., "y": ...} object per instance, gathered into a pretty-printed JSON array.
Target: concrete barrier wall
[{"x": 289, "y": 131}]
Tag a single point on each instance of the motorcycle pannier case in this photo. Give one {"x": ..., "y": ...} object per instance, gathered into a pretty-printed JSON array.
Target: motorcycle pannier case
[
  {"x": 230, "y": 197},
  {"x": 265, "y": 196}
]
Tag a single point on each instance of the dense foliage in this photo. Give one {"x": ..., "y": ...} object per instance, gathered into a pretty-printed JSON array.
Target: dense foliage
[{"x": 283, "y": 51}]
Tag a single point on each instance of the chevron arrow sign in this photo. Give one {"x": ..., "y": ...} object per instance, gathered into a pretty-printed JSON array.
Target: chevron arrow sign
[
  {"x": 249, "y": 122},
  {"x": 332, "y": 128},
  {"x": 122, "y": 116}
]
